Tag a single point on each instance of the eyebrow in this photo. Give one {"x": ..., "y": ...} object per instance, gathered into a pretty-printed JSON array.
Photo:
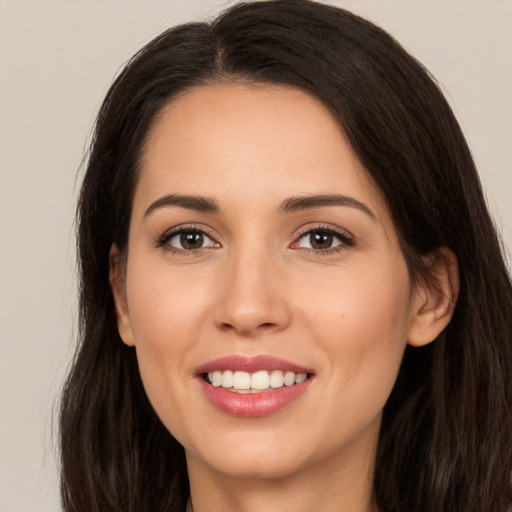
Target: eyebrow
[
  {"x": 198, "y": 203},
  {"x": 294, "y": 204},
  {"x": 290, "y": 205}
]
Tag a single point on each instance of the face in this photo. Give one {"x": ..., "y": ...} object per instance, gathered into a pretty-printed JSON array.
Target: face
[{"x": 264, "y": 288}]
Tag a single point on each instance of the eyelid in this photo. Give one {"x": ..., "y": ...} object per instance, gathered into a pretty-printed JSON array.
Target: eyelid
[
  {"x": 346, "y": 238},
  {"x": 163, "y": 239}
]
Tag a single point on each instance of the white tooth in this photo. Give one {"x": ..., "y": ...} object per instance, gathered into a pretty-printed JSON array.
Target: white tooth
[
  {"x": 276, "y": 379},
  {"x": 289, "y": 379},
  {"x": 241, "y": 380},
  {"x": 227, "y": 379},
  {"x": 260, "y": 380},
  {"x": 300, "y": 377},
  {"x": 215, "y": 378}
]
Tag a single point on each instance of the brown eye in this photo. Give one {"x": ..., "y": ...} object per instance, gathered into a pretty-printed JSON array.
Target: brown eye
[
  {"x": 190, "y": 240},
  {"x": 323, "y": 240}
]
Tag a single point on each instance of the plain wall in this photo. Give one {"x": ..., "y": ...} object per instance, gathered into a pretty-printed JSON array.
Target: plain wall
[{"x": 57, "y": 59}]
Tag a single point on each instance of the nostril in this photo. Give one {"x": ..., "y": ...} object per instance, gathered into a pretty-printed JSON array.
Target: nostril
[{"x": 265, "y": 326}]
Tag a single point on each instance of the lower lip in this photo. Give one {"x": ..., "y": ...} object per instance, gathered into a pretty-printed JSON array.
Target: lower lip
[{"x": 253, "y": 404}]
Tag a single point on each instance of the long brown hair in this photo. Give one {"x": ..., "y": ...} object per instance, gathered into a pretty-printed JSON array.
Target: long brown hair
[{"x": 446, "y": 436}]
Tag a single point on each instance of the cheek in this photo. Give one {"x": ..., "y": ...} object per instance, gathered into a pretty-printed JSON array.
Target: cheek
[
  {"x": 361, "y": 325},
  {"x": 166, "y": 318},
  {"x": 165, "y": 309}
]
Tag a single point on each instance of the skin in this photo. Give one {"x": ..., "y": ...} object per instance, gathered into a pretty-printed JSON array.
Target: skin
[{"x": 256, "y": 287}]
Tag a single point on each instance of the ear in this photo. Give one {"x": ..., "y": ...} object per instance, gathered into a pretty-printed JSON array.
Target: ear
[
  {"x": 434, "y": 300},
  {"x": 118, "y": 287}
]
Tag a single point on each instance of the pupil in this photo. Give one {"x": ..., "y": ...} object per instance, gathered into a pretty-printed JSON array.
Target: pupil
[
  {"x": 191, "y": 240},
  {"x": 321, "y": 240}
]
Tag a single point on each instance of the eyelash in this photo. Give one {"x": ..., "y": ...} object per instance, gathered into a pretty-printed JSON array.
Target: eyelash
[
  {"x": 163, "y": 241},
  {"x": 345, "y": 238}
]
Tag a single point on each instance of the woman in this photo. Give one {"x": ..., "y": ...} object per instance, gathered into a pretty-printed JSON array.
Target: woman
[{"x": 292, "y": 294}]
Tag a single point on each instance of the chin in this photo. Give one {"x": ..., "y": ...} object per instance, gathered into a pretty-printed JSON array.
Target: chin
[
  {"x": 264, "y": 466},
  {"x": 250, "y": 456}
]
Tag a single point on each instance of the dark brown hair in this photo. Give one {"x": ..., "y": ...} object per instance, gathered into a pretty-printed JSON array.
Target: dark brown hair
[{"x": 446, "y": 436}]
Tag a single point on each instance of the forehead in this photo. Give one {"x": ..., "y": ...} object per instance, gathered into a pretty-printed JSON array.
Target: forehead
[{"x": 257, "y": 140}]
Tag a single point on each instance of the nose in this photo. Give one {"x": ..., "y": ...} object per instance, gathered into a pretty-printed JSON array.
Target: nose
[{"x": 252, "y": 297}]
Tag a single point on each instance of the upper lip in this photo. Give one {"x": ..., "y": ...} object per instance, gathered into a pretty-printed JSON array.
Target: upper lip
[{"x": 251, "y": 364}]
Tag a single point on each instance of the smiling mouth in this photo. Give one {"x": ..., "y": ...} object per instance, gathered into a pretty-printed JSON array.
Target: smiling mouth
[{"x": 256, "y": 382}]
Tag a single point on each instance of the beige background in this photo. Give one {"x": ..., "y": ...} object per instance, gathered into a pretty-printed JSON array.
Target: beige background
[{"x": 57, "y": 59}]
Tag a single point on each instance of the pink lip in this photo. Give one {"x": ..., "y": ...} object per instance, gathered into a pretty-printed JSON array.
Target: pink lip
[
  {"x": 252, "y": 404},
  {"x": 251, "y": 364}
]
